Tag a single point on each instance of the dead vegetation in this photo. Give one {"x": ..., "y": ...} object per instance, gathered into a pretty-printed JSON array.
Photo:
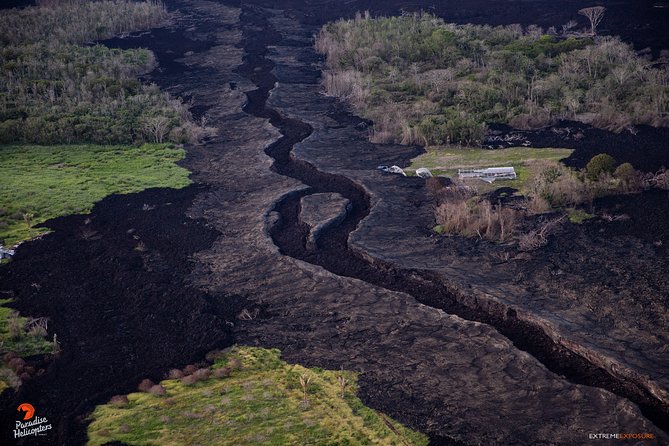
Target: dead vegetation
[
  {"x": 538, "y": 237},
  {"x": 477, "y": 218},
  {"x": 553, "y": 190}
]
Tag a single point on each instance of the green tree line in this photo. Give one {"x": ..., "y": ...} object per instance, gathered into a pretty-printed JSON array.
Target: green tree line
[
  {"x": 54, "y": 88},
  {"x": 426, "y": 81}
]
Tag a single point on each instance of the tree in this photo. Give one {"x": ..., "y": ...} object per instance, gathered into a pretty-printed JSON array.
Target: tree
[
  {"x": 595, "y": 14},
  {"x": 569, "y": 26},
  {"x": 600, "y": 164},
  {"x": 156, "y": 127}
]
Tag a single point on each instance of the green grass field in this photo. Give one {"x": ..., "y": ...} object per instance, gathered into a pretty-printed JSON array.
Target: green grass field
[
  {"x": 447, "y": 160},
  {"x": 42, "y": 182},
  {"x": 16, "y": 337},
  {"x": 260, "y": 404}
]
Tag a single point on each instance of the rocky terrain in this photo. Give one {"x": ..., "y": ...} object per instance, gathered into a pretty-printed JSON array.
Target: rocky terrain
[{"x": 468, "y": 342}]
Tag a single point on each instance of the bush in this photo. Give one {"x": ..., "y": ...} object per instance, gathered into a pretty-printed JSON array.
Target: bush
[
  {"x": 189, "y": 369},
  {"x": 222, "y": 372},
  {"x": 558, "y": 186},
  {"x": 538, "y": 237},
  {"x": 477, "y": 218},
  {"x": 625, "y": 172},
  {"x": 175, "y": 374},
  {"x": 157, "y": 390},
  {"x": 119, "y": 400},
  {"x": 15, "y": 326},
  {"x": 433, "y": 186},
  {"x": 599, "y": 165},
  {"x": 145, "y": 385},
  {"x": 202, "y": 374},
  {"x": 197, "y": 375},
  {"x": 214, "y": 355},
  {"x": 16, "y": 364},
  {"x": 189, "y": 380},
  {"x": 630, "y": 179}
]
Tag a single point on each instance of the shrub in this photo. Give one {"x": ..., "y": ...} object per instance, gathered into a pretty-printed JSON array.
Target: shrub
[
  {"x": 119, "y": 400},
  {"x": 538, "y": 237},
  {"x": 433, "y": 186},
  {"x": 157, "y": 390},
  {"x": 599, "y": 165},
  {"x": 202, "y": 374},
  {"x": 235, "y": 364},
  {"x": 10, "y": 377},
  {"x": 625, "y": 171},
  {"x": 222, "y": 372},
  {"x": 629, "y": 177},
  {"x": 15, "y": 325},
  {"x": 660, "y": 179},
  {"x": 175, "y": 374},
  {"x": 189, "y": 380},
  {"x": 537, "y": 204},
  {"x": 145, "y": 385},
  {"x": 559, "y": 186},
  {"x": 213, "y": 355},
  {"x": 467, "y": 218},
  {"x": 578, "y": 216},
  {"x": 189, "y": 369},
  {"x": 16, "y": 364}
]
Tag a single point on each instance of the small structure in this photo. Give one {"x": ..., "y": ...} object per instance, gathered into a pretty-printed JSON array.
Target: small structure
[
  {"x": 488, "y": 175},
  {"x": 392, "y": 169},
  {"x": 424, "y": 172},
  {"x": 6, "y": 253}
]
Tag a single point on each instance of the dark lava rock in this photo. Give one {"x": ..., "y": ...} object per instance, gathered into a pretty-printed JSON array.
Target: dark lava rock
[{"x": 320, "y": 212}]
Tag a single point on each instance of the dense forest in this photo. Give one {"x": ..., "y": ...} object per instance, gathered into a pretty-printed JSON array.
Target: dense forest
[
  {"x": 56, "y": 88},
  {"x": 426, "y": 81}
]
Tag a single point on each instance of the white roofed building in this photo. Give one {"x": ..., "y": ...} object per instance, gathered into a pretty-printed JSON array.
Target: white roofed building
[{"x": 489, "y": 174}]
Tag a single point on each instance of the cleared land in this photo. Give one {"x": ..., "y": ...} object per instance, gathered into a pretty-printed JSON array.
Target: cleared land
[
  {"x": 447, "y": 160},
  {"x": 260, "y": 402}
]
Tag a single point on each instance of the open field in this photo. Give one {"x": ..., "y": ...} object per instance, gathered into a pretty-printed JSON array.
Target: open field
[
  {"x": 261, "y": 402},
  {"x": 447, "y": 160},
  {"x": 21, "y": 336},
  {"x": 42, "y": 182}
]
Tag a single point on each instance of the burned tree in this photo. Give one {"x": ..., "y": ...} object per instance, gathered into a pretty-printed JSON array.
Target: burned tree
[{"x": 595, "y": 14}]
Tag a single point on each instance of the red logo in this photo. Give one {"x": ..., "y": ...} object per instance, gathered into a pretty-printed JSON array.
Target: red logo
[{"x": 28, "y": 409}]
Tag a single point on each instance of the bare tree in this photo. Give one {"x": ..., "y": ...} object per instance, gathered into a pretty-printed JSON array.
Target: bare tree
[
  {"x": 595, "y": 14},
  {"x": 569, "y": 26},
  {"x": 304, "y": 382},
  {"x": 156, "y": 128}
]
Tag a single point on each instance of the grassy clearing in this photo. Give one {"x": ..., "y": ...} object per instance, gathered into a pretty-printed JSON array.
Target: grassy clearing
[
  {"x": 14, "y": 337},
  {"x": 21, "y": 337},
  {"x": 42, "y": 182},
  {"x": 447, "y": 160},
  {"x": 261, "y": 403}
]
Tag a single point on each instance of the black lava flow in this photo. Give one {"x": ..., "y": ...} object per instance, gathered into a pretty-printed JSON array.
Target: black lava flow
[{"x": 333, "y": 253}]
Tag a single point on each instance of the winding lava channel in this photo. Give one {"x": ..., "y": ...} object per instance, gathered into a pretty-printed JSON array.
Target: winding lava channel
[{"x": 334, "y": 254}]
